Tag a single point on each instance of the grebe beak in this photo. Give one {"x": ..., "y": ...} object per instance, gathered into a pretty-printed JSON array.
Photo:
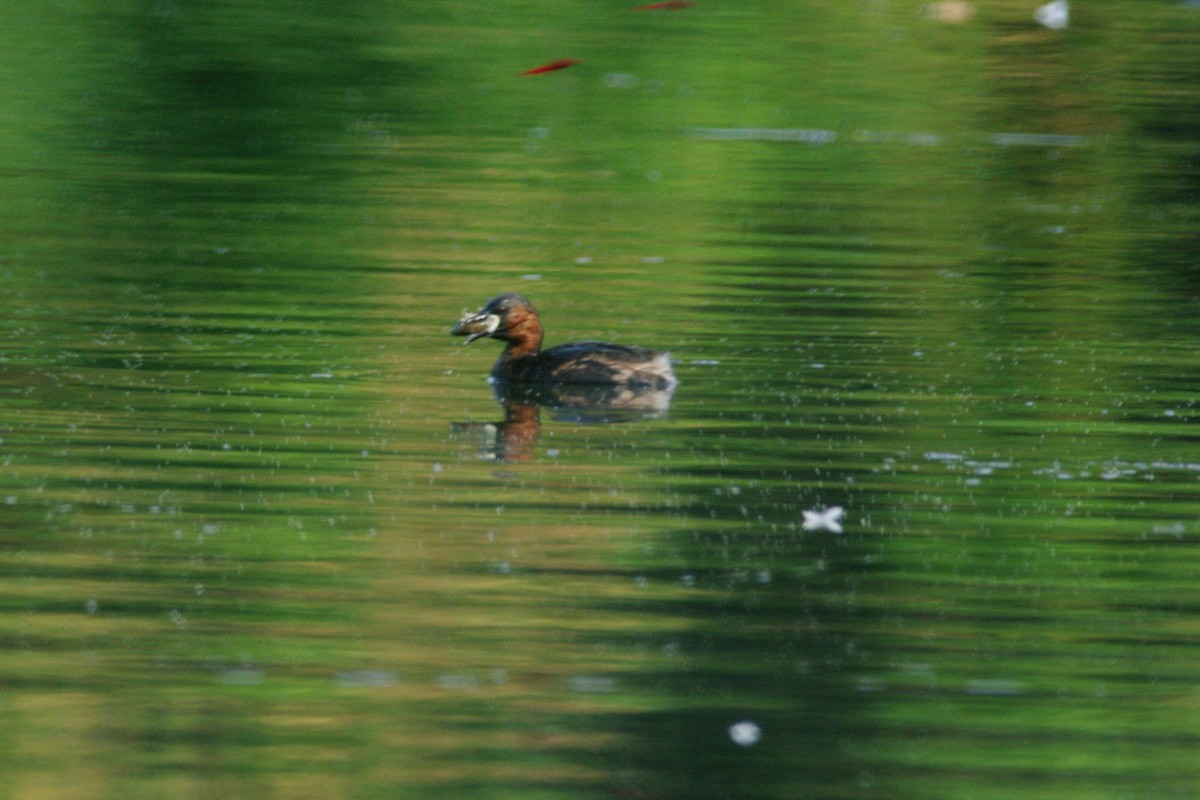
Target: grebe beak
[{"x": 476, "y": 326}]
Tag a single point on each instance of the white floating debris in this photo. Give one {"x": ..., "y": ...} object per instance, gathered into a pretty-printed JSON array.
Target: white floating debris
[
  {"x": 456, "y": 682},
  {"x": 1037, "y": 139},
  {"x": 954, "y": 12},
  {"x": 829, "y": 519},
  {"x": 806, "y": 135},
  {"x": 620, "y": 80},
  {"x": 1055, "y": 16},
  {"x": 241, "y": 676},
  {"x": 365, "y": 679},
  {"x": 994, "y": 687},
  {"x": 745, "y": 733},
  {"x": 592, "y": 684}
]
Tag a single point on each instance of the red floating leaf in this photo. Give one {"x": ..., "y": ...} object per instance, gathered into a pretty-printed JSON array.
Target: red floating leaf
[{"x": 562, "y": 63}]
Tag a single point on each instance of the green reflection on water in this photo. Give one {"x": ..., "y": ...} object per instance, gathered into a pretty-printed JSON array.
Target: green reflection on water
[{"x": 940, "y": 275}]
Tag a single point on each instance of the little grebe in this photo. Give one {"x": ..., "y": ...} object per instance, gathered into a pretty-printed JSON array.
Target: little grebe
[{"x": 512, "y": 319}]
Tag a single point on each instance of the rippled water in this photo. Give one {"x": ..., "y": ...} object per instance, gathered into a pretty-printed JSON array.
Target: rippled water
[{"x": 265, "y": 529}]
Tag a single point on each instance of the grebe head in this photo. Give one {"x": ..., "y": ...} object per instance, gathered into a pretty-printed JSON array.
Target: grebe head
[{"x": 508, "y": 316}]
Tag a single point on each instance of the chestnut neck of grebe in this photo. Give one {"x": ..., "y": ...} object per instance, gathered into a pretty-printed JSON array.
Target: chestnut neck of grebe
[{"x": 522, "y": 332}]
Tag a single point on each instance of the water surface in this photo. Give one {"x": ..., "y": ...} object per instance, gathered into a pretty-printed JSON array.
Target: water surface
[{"x": 260, "y": 537}]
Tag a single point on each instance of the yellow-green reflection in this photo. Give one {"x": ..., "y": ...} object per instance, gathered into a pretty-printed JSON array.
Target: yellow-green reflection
[{"x": 255, "y": 538}]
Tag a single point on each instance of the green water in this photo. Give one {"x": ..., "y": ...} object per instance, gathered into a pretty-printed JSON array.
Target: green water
[{"x": 260, "y": 531}]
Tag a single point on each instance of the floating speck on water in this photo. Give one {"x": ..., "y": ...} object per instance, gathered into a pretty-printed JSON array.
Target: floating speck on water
[
  {"x": 592, "y": 684},
  {"x": 745, "y": 733},
  {"x": 919, "y": 670},
  {"x": 1055, "y": 15},
  {"x": 620, "y": 80},
  {"x": 828, "y": 519},
  {"x": 1175, "y": 529},
  {"x": 365, "y": 679},
  {"x": 997, "y": 687},
  {"x": 241, "y": 676},
  {"x": 456, "y": 682}
]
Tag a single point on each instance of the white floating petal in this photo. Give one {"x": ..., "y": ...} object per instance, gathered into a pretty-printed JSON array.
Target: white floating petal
[{"x": 829, "y": 519}]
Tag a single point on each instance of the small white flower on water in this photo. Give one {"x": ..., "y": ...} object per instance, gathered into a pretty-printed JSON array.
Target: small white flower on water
[
  {"x": 1055, "y": 16},
  {"x": 745, "y": 733},
  {"x": 829, "y": 519}
]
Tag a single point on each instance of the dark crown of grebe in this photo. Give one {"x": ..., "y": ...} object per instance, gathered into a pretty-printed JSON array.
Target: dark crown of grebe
[{"x": 512, "y": 319}]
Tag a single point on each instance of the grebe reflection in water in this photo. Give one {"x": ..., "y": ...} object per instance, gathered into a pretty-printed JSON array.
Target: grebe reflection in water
[{"x": 581, "y": 381}]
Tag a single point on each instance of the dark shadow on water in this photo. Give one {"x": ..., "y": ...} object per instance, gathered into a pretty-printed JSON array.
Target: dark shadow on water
[{"x": 515, "y": 437}]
